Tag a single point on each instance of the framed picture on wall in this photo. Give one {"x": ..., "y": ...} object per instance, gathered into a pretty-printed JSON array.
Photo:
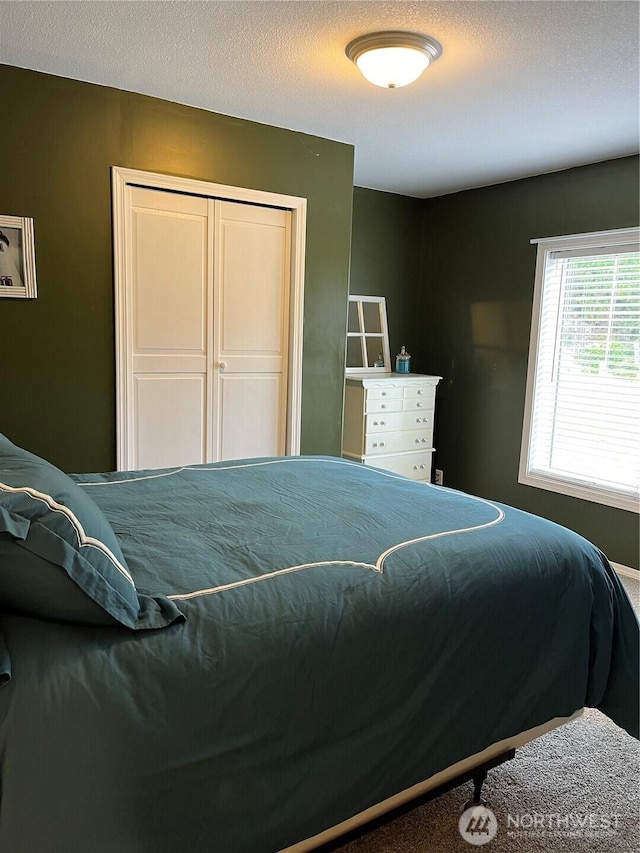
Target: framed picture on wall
[{"x": 17, "y": 258}]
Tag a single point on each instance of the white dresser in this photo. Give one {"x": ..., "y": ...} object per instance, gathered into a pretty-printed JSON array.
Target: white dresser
[{"x": 388, "y": 422}]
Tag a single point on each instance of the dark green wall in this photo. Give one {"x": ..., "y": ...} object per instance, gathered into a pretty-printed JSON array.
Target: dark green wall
[
  {"x": 59, "y": 140},
  {"x": 465, "y": 313},
  {"x": 440, "y": 262},
  {"x": 475, "y": 303},
  {"x": 385, "y": 258}
]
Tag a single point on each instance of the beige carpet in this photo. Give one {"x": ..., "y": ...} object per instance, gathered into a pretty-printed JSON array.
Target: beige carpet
[{"x": 580, "y": 782}]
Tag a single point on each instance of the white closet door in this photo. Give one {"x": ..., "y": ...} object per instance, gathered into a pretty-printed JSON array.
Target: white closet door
[
  {"x": 204, "y": 334},
  {"x": 168, "y": 314},
  {"x": 251, "y": 329}
]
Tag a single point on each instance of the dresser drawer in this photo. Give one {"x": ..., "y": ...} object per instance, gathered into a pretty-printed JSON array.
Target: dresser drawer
[
  {"x": 393, "y": 421},
  {"x": 424, "y": 392},
  {"x": 422, "y": 419},
  {"x": 384, "y": 394},
  {"x": 384, "y": 405},
  {"x": 417, "y": 466},
  {"x": 399, "y": 404},
  {"x": 416, "y": 403},
  {"x": 398, "y": 442}
]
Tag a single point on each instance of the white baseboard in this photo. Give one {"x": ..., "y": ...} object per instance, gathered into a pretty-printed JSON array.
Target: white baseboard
[{"x": 626, "y": 571}]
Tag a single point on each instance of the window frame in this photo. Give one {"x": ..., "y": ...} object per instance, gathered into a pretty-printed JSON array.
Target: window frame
[
  {"x": 362, "y": 336},
  {"x": 548, "y": 481}
]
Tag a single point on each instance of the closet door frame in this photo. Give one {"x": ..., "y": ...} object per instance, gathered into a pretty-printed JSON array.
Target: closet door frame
[{"x": 121, "y": 179}]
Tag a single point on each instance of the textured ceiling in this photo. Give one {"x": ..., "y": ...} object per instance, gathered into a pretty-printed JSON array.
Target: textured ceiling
[{"x": 521, "y": 87}]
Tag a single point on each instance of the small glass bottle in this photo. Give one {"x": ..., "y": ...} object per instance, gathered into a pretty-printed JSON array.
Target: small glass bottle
[{"x": 403, "y": 361}]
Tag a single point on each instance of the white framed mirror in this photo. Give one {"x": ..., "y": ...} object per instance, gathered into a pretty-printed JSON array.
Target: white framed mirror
[{"x": 367, "y": 335}]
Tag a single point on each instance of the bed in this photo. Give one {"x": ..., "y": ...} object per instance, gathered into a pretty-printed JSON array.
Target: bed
[{"x": 251, "y": 656}]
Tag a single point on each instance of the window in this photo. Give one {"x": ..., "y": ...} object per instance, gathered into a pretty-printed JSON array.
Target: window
[
  {"x": 581, "y": 431},
  {"x": 367, "y": 335}
]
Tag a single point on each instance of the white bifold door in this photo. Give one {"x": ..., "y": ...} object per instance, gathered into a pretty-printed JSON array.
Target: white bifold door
[{"x": 203, "y": 327}]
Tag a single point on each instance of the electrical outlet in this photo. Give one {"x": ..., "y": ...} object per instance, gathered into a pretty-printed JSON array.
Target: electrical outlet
[{"x": 439, "y": 478}]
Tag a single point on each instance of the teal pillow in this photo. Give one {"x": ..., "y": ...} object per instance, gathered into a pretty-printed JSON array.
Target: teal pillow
[{"x": 59, "y": 556}]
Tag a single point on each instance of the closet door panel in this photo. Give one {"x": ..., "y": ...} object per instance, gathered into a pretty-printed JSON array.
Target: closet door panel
[
  {"x": 252, "y": 301},
  {"x": 170, "y": 419},
  {"x": 169, "y": 235},
  {"x": 251, "y": 311},
  {"x": 169, "y": 319},
  {"x": 252, "y": 421}
]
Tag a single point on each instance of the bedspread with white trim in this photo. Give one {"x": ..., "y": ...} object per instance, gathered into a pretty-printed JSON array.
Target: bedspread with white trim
[{"x": 348, "y": 633}]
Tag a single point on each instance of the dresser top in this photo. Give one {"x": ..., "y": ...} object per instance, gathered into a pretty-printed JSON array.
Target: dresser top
[{"x": 378, "y": 380}]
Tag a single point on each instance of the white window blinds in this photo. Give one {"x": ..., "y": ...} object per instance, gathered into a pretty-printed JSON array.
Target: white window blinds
[{"x": 582, "y": 414}]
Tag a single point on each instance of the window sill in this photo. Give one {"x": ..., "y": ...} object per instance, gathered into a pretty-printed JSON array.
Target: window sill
[{"x": 584, "y": 492}]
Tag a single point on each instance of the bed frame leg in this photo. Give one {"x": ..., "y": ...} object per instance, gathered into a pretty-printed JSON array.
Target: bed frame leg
[
  {"x": 479, "y": 775},
  {"x": 478, "y": 782}
]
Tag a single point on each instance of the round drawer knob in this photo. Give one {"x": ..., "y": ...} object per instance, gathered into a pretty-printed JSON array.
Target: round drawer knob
[
  {"x": 420, "y": 392},
  {"x": 384, "y": 393},
  {"x": 419, "y": 405},
  {"x": 383, "y": 406},
  {"x": 382, "y": 444},
  {"x": 381, "y": 423}
]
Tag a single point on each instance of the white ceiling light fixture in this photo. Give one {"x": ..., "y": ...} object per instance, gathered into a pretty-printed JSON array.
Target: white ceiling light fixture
[{"x": 393, "y": 58}]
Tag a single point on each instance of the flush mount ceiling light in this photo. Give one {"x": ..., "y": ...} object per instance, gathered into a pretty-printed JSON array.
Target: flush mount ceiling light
[{"x": 392, "y": 59}]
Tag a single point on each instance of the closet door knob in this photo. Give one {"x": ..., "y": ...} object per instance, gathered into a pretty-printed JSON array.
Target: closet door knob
[{"x": 222, "y": 365}]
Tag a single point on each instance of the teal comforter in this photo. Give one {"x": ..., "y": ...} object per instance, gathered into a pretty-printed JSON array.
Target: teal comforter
[{"x": 348, "y": 634}]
